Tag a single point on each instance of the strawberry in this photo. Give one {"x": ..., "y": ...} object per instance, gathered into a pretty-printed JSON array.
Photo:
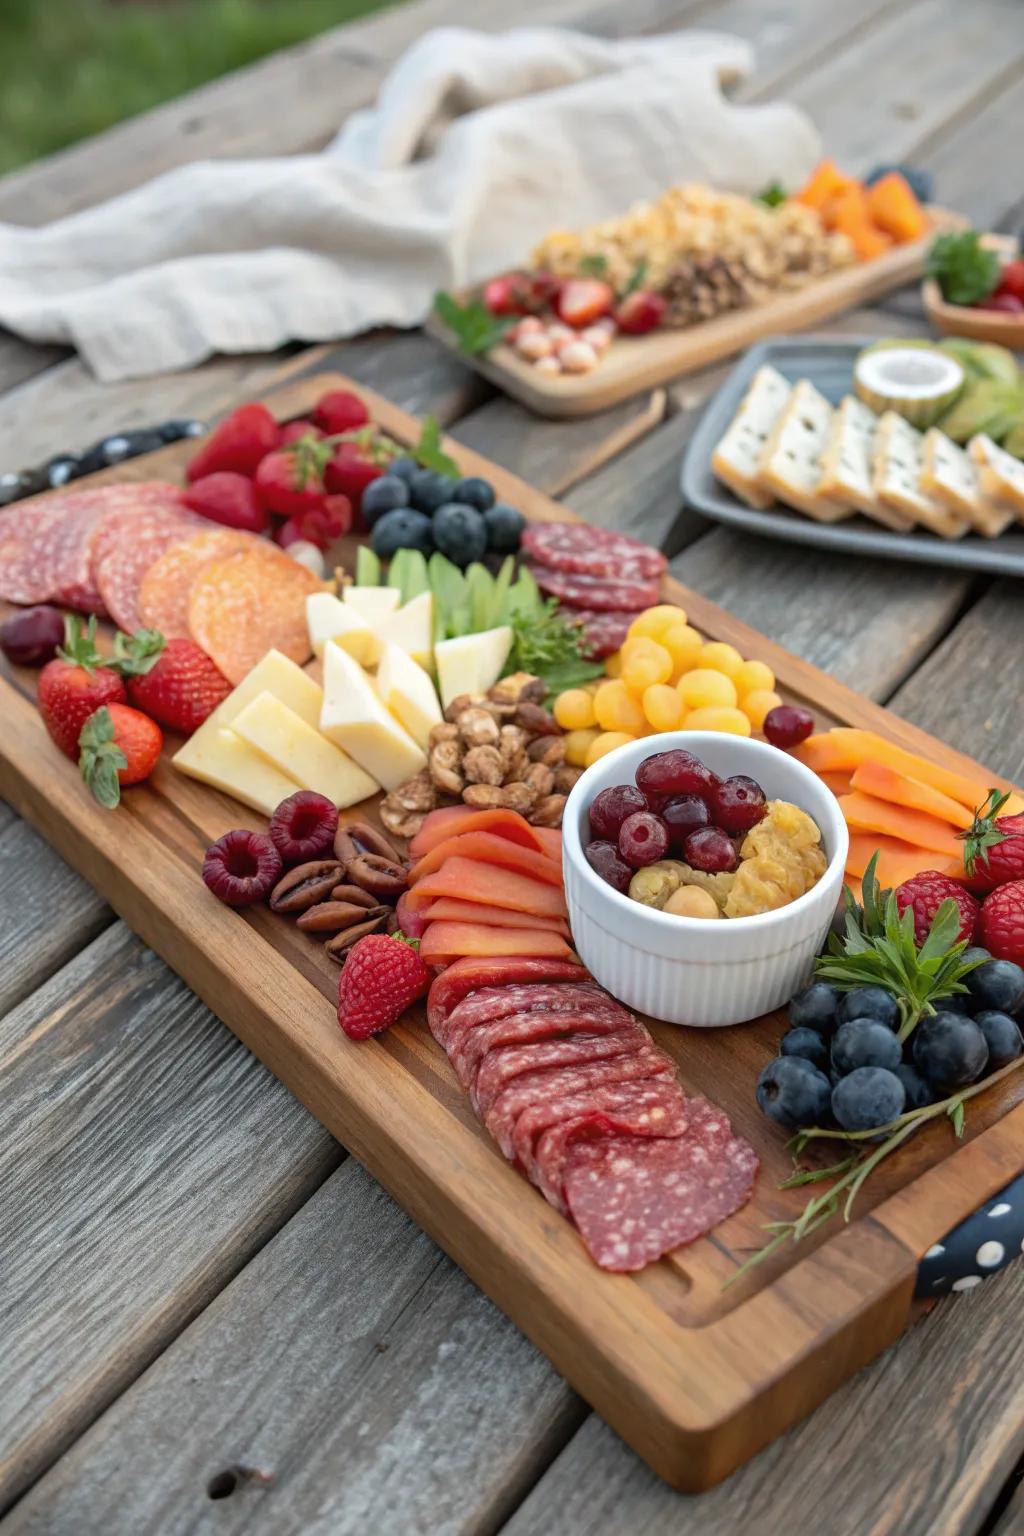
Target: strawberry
[
  {"x": 994, "y": 845},
  {"x": 320, "y": 525},
  {"x": 290, "y": 481},
  {"x": 640, "y": 312},
  {"x": 924, "y": 895},
  {"x": 507, "y": 295},
  {"x": 1011, "y": 279},
  {"x": 229, "y": 498},
  {"x": 74, "y": 685},
  {"x": 1001, "y": 922},
  {"x": 118, "y": 745},
  {"x": 239, "y": 443},
  {"x": 350, "y": 471},
  {"x": 340, "y": 411},
  {"x": 582, "y": 300},
  {"x": 172, "y": 680},
  {"x": 293, "y": 430},
  {"x": 382, "y": 976}
]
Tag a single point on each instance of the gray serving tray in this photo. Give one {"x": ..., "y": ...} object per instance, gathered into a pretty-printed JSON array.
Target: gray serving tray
[{"x": 828, "y": 363}]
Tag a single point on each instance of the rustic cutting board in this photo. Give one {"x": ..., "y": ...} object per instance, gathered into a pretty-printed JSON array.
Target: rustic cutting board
[
  {"x": 694, "y": 1377},
  {"x": 635, "y": 363}
]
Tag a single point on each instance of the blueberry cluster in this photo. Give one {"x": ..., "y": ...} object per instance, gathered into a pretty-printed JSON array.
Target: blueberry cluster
[
  {"x": 112, "y": 449},
  {"x": 415, "y": 508},
  {"x": 841, "y": 1061}
]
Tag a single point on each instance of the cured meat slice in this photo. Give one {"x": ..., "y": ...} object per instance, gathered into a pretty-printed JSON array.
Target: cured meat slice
[
  {"x": 30, "y": 548},
  {"x": 635, "y": 1200},
  {"x": 166, "y": 587},
  {"x": 120, "y": 572},
  {"x": 526, "y": 1028},
  {"x": 657, "y": 1108},
  {"x": 534, "y": 1090},
  {"x": 551, "y": 1152},
  {"x": 474, "y": 880},
  {"x": 504, "y": 1065},
  {"x": 603, "y": 633},
  {"x": 597, "y": 592},
  {"x": 488, "y": 1004},
  {"x": 247, "y": 604},
  {"x": 580, "y": 550},
  {"x": 88, "y": 512},
  {"x": 489, "y": 848},
  {"x": 497, "y": 917},
  {"x": 444, "y": 942},
  {"x": 470, "y": 975}
]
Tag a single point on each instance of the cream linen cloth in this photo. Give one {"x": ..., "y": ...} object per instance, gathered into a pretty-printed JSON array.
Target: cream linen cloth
[{"x": 476, "y": 147}]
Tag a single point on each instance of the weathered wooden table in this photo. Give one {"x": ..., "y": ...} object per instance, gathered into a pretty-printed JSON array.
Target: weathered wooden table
[{"x": 211, "y": 1319}]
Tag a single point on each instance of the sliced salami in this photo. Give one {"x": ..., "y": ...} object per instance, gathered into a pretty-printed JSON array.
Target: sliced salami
[
  {"x": 598, "y": 592},
  {"x": 120, "y": 572},
  {"x": 658, "y": 1107},
  {"x": 551, "y": 1153},
  {"x": 505, "y": 1065},
  {"x": 491, "y": 1003},
  {"x": 634, "y": 1200},
  {"x": 579, "y": 550},
  {"x": 31, "y": 541},
  {"x": 603, "y": 633},
  {"x": 470, "y": 975},
  {"x": 522, "y": 1028}
]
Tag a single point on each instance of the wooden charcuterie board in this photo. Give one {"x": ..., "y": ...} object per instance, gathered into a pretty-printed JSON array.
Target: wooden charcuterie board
[
  {"x": 694, "y": 1377},
  {"x": 636, "y": 363}
]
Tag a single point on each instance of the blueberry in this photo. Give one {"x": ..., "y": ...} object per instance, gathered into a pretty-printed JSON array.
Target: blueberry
[
  {"x": 460, "y": 533},
  {"x": 867, "y": 1098},
  {"x": 957, "y": 1002},
  {"x": 404, "y": 468},
  {"x": 870, "y": 1003},
  {"x": 401, "y": 529},
  {"x": 918, "y": 1093},
  {"x": 1002, "y": 1036},
  {"x": 815, "y": 1008},
  {"x": 504, "y": 528},
  {"x": 428, "y": 490},
  {"x": 949, "y": 1050},
  {"x": 997, "y": 984},
  {"x": 793, "y": 1092},
  {"x": 385, "y": 494},
  {"x": 864, "y": 1043},
  {"x": 806, "y": 1043},
  {"x": 113, "y": 449},
  {"x": 474, "y": 491}
]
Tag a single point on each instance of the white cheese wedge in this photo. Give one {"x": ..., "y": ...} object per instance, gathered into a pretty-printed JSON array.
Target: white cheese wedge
[
  {"x": 301, "y": 752},
  {"x": 276, "y": 674},
  {"x": 328, "y": 618},
  {"x": 790, "y": 465},
  {"x": 215, "y": 755},
  {"x": 355, "y": 719},
  {"x": 472, "y": 663},
  {"x": 737, "y": 456},
  {"x": 412, "y": 628},
  {"x": 948, "y": 474},
  {"x": 1000, "y": 474},
  {"x": 374, "y": 603},
  {"x": 408, "y": 692},
  {"x": 896, "y": 476},
  {"x": 846, "y": 464}
]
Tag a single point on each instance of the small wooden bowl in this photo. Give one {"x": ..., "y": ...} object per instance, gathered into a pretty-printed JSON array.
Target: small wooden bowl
[{"x": 977, "y": 324}]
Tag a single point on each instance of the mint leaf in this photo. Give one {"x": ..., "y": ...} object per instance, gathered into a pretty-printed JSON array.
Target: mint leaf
[
  {"x": 474, "y": 327},
  {"x": 428, "y": 450},
  {"x": 772, "y": 195}
]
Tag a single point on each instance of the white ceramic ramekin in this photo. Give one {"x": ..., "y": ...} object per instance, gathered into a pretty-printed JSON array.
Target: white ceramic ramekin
[{"x": 689, "y": 970}]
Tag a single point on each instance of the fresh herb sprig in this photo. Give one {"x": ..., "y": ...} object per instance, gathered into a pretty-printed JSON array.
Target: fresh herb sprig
[
  {"x": 474, "y": 327},
  {"x": 773, "y": 195},
  {"x": 311, "y": 454},
  {"x": 964, "y": 269},
  {"x": 548, "y": 646}
]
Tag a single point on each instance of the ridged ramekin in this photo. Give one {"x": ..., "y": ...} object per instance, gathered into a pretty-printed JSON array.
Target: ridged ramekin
[{"x": 689, "y": 970}]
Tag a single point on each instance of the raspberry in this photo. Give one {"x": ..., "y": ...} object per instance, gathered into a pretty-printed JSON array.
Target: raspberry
[
  {"x": 994, "y": 846},
  {"x": 242, "y": 867},
  {"x": 1001, "y": 923},
  {"x": 382, "y": 976},
  {"x": 924, "y": 895},
  {"x": 303, "y": 826}
]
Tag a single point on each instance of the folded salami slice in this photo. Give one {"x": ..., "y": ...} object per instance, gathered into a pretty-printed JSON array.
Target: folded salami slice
[
  {"x": 580, "y": 550},
  {"x": 603, "y": 633},
  {"x": 598, "y": 592},
  {"x": 507, "y": 1063},
  {"x": 531, "y": 1025},
  {"x": 634, "y": 1200},
  {"x": 470, "y": 975},
  {"x": 658, "y": 1109}
]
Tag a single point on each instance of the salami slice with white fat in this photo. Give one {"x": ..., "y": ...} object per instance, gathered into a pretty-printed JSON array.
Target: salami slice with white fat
[
  {"x": 472, "y": 974},
  {"x": 30, "y": 547},
  {"x": 468, "y": 1046},
  {"x": 603, "y": 593},
  {"x": 507, "y": 1063},
  {"x": 120, "y": 571},
  {"x": 579, "y": 550},
  {"x": 658, "y": 1108},
  {"x": 603, "y": 633},
  {"x": 491, "y": 1003},
  {"x": 536, "y": 1089}
]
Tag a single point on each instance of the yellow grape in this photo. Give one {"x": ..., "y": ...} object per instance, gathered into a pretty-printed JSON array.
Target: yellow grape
[
  {"x": 577, "y": 745},
  {"x": 719, "y": 718},
  {"x": 703, "y": 689},
  {"x": 663, "y": 707},
  {"x": 755, "y": 705},
  {"x": 642, "y": 668},
  {"x": 607, "y": 742},
  {"x": 617, "y": 710},
  {"x": 684, "y": 645},
  {"x": 719, "y": 657},
  {"x": 754, "y": 677},
  {"x": 574, "y": 709},
  {"x": 653, "y": 622},
  {"x": 613, "y": 664}
]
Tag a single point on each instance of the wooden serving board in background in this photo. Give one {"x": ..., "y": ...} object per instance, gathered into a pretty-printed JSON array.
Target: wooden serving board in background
[
  {"x": 694, "y": 1377},
  {"x": 635, "y": 363}
]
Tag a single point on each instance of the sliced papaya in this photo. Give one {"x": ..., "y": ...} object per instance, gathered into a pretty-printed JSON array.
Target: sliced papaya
[
  {"x": 897, "y": 861},
  {"x": 494, "y": 886},
  {"x": 490, "y": 849},
  {"x": 451, "y": 820},
  {"x": 865, "y": 813},
  {"x": 451, "y": 909},
  {"x": 551, "y": 839},
  {"x": 826, "y": 183},
  {"x": 894, "y": 208},
  {"x": 850, "y": 215},
  {"x": 444, "y": 942},
  {"x": 886, "y": 784},
  {"x": 838, "y": 783},
  {"x": 846, "y": 747}
]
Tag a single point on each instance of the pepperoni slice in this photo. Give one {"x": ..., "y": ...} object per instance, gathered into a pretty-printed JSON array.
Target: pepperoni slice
[
  {"x": 120, "y": 572},
  {"x": 579, "y": 550},
  {"x": 597, "y": 592},
  {"x": 247, "y": 604},
  {"x": 167, "y": 584}
]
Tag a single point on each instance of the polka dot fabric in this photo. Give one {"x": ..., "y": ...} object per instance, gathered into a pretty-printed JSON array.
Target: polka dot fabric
[{"x": 978, "y": 1247}]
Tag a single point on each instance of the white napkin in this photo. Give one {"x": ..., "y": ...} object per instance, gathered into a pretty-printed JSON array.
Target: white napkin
[{"x": 477, "y": 146}]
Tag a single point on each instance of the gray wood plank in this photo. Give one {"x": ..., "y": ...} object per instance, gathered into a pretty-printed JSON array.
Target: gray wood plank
[
  {"x": 1011, "y": 1518},
  {"x": 975, "y": 160},
  {"x": 354, "y": 1367},
  {"x": 413, "y": 370},
  {"x": 918, "y": 1444},
  {"x": 151, "y": 1156},
  {"x": 638, "y": 491}
]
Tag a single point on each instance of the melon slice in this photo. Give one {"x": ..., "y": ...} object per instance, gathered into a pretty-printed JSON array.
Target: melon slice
[
  {"x": 838, "y": 783},
  {"x": 491, "y": 850},
  {"x": 450, "y": 820},
  {"x": 444, "y": 942},
  {"x": 897, "y": 861},
  {"x": 473, "y": 880},
  {"x": 845, "y": 748},
  {"x": 886, "y": 784},
  {"x": 451, "y": 909},
  {"x": 867, "y": 814}
]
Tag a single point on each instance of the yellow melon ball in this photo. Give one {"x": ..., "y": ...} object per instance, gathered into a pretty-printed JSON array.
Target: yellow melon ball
[
  {"x": 577, "y": 745},
  {"x": 655, "y": 621},
  {"x": 719, "y": 657},
  {"x": 702, "y": 689},
  {"x": 754, "y": 677},
  {"x": 642, "y": 666},
  {"x": 756, "y": 705},
  {"x": 684, "y": 645},
  {"x": 574, "y": 709},
  {"x": 607, "y": 742},
  {"x": 663, "y": 707},
  {"x": 616, "y": 709},
  {"x": 718, "y": 718},
  {"x": 613, "y": 664}
]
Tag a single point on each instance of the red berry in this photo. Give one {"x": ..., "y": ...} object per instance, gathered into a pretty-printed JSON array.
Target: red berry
[
  {"x": 737, "y": 804},
  {"x": 603, "y": 858},
  {"x": 288, "y": 483},
  {"x": 340, "y": 411},
  {"x": 293, "y": 430},
  {"x": 239, "y": 443},
  {"x": 1001, "y": 922},
  {"x": 1011, "y": 278},
  {"x": 118, "y": 746},
  {"x": 1004, "y": 303},
  {"x": 711, "y": 850},
  {"x": 610, "y": 808},
  {"x": 173, "y": 680},
  {"x": 350, "y": 471},
  {"x": 787, "y": 725},
  {"x": 303, "y": 826},
  {"x": 74, "y": 685},
  {"x": 582, "y": 300},
  {"x": 924, "y": 895},
  {"x": 643, "y": 839},
  {"x": 994, "y": 845},
  {"x": 640, "y": 312},
  {"x": 242, "y": 867},
  {"x": 510, "y": 294},
  {"x": 683, "y": 815},
  {"x": 382, "y": 976},
  {"x": 31, "y": 638},
  {"x": 229, "y": 498},
  {"x": 675, "y": 773}
]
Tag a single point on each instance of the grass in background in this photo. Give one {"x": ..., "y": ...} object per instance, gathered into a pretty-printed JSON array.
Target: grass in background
[{"x": 74, "y": 67}]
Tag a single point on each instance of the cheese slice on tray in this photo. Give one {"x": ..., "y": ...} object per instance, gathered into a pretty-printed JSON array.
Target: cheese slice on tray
[
  {"x": 1001, "y": 475},
  {"x": 736, "y": 457},
  {"x": 301, "y": 752},
  {"x": 846, "y": 464},
  {"x": 896, "y": 477},
  {"x": 355, "y": 719},
  {"x": 217, "y": 756},
  {"x": 949, "y": 474},
  {"x": 790, "y": 464}
]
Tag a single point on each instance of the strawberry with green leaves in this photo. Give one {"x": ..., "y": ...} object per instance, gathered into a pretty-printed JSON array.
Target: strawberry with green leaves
[
  {"x": 75, "y": 684},
  {"x": 994, "y": 845},
  {"x": 118, "y": 745},
  {"x": 172, "y": 680},
  {"x": 382, "y": 977}
]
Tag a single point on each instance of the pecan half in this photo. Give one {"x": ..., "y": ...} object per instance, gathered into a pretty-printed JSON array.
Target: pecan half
[
  {"x": 333, "y": 916},
  {"x": 339, "y": 946},
  {"x": 384, "y": 878},
  {"x": 354, "y": 896},
  {"x": 549, "y": 750},
  {"x": 355, "y": 837},
  {"x": 305, "y": 885},
  {"x": 536, "y": 720}
]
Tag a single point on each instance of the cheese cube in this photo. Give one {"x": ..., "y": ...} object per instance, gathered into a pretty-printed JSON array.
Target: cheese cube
[
  {"x": 279, "y": 675},
  {"x": 215, "y": 755},
  {"x": 409, "y": 694},
  {"x": 355, "y": 719},
  {"x": 737, "y": 456},
  {"x": 301, "y": 752},
  {"x": 790, "y": 465},
  {"x": 471, "y": 663},
  {"x": 949, "y": 474},
  {"x": 374, "y": 603},
  {"x": 412, "y": 628}
]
